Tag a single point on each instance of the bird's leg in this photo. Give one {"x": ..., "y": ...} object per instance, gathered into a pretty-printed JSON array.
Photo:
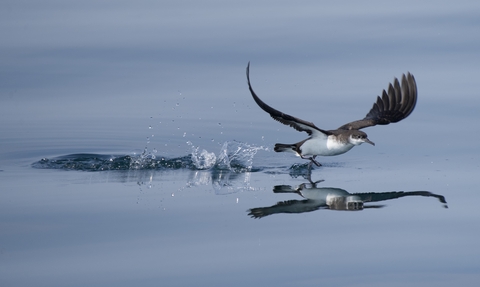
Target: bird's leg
[
  {"x": 310, "y": 168},
  {"x": 314, "y": 183},
  {"x": 309, "y": 176},
  {"x": 309, "y": 173},
  {"x": 312, "y": 160}
]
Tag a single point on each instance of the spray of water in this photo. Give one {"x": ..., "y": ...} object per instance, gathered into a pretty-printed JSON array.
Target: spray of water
[{"x": 233, "y": 156}]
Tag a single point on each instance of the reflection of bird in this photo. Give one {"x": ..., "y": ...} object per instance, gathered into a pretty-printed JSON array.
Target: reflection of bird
[
  {"x": 392, "y": 107},
  {"x": 331, "y": 198}
]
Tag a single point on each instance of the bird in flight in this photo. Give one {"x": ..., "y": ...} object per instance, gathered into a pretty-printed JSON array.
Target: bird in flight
[{"x": 394, "y": 105}]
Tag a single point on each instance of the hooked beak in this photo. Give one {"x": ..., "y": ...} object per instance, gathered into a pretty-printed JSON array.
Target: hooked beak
[{"x": 369, "y": 141}]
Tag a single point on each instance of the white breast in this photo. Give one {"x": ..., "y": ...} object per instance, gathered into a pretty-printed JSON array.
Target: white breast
[{"x": 320, "y": 146}]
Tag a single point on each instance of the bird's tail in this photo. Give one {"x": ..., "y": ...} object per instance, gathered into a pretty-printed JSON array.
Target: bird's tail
[{"x": 285, "y": 148}]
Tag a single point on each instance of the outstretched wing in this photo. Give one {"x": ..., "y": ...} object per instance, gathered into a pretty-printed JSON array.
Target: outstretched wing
[
  {"x": 296, "y": 123},
  {"x": 381, "y": 196},
  {"x": 392, "y": 107}
]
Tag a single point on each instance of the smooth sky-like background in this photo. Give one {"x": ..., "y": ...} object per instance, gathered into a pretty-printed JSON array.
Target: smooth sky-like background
[
  {"x": 77, "y": 63},
  {"x": 116, "y": 51}
]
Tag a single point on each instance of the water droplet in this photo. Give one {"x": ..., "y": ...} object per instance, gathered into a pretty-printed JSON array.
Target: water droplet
[
  {"x": 173, "y": 194},
  {"x": 219, "y": 124},
  {"x": 177, "y": 104},
  {"x": 184, "y": 134},
  {"x": 149, "y": 127}
]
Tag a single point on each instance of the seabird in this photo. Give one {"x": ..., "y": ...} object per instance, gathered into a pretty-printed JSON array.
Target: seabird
[
  {"x": 332, "y": 198},
  {"x": 394, "y": 105}
]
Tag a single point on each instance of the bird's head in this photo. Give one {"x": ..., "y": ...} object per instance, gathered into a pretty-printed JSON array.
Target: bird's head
[{"x": 359, "y": 137}]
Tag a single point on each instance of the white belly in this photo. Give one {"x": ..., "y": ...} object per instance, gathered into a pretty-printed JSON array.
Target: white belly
[{"x": 319, "y": 146}]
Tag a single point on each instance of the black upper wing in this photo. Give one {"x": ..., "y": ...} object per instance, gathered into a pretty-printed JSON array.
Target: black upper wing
[
  {"x": 392, "y": 107},
  {"x": 296, "y": 123}
]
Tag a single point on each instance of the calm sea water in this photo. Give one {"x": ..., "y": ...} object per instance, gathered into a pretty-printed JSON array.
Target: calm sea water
[{"x": 131, "y": 152}]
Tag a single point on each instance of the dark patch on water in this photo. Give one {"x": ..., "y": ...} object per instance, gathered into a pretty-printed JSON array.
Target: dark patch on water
[{"x": 100, "y": 162}]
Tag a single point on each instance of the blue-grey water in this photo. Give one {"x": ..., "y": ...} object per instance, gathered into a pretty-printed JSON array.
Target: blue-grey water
[{"x": 132, "y": 154}]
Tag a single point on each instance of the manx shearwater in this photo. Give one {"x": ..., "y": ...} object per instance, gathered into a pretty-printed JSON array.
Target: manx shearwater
[{"x": 395, "y": 104}]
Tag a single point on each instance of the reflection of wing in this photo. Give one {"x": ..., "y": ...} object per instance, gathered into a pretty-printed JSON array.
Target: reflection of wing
[
  {"x": 375, "y": 197},
  {"x": 289, "y": 206},
  {"x": 392, "y": 107},
  {"x": 296, "y": 123}
]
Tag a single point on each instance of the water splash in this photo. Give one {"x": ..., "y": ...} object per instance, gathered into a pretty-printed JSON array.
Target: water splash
[
  {"x": 233, "y": 156},
  {"x": 202, "y": 159}
]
